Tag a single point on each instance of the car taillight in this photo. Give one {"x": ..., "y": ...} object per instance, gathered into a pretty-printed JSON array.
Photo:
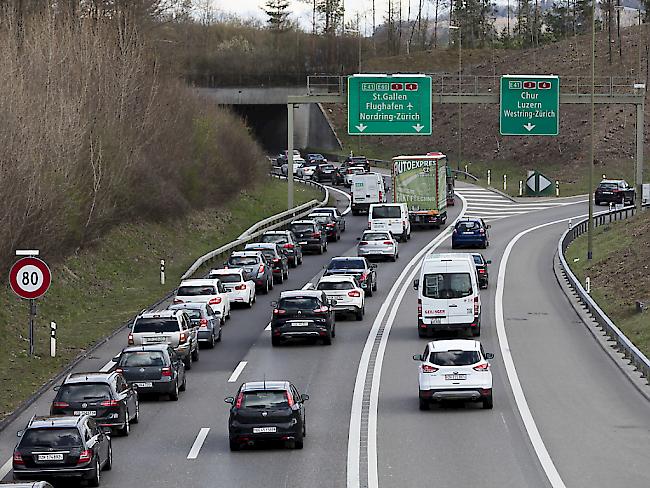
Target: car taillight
[
  {"x": 203, "y": 323},
  {"x": 330, "y": 224},
  {"x": 321, "y": 310},
  {"x": 119, "y": 370},
  {"x": 482, "y": 367},
  {"x": 276, "y": 260},
  {"x": 85, "y": 456},
  {"x": 354, "y": 293},
  {"x": 481, "y": 271},
  {"x": 316, "y": 235},
  {"x": 110, "y": 403},
  {"x": 166, "y": 371},
  {"x": 240, "y": 399},
  {"x": 241, "y": 287},
  {"x": 178, "y": 300},
  {"x": 289, "y": 398},
  {"x": 288, "y": 246},
  {"x": 482, "y": 232},
  {"x": 183, "y": 338},
  {"x": 215, "y": 301},
  {"x": 279, "y": 311},
  {"x": 388, "y": 243},
  {"x": 380, "y": 196},
  {"x": 130, "y": 339},
  {"x": 262, "y": 268},
  {"x": 60, "y": 404},
  {"x": 475, "y": 306},
  {"x": 455, "y": 231},
  {"x": 364, "y": 276},
  {"x": 428, "y": 369},
  {"x": 419, "y": 308},
  {"x": 18, "y": 459}
]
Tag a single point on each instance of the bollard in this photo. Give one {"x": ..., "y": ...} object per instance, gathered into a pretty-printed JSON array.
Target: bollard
[
  {"x": 489, "y": 177},
  {"x": 162, "y": 271},
  {"x": 557, "y": 188},
  {"x": 52, "y": 339},
  {"x": 588, "y": 285},
  {"x": 570, "y": 224},
  {"x": 465, "y": 171},
  {"x": 505, "y": 182},
  {"x": 521, "y": 187},
  {"x": 610, "y": 206}
]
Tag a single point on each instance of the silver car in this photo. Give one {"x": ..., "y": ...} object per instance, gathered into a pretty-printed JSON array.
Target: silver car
[
  {"x": 378, "y": 244},
  {"x": 203, "y": 316}
]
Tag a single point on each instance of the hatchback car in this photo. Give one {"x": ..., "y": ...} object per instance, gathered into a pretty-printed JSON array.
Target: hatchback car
[
  {"x": 360, "y": 268},
  {"x": 289, "y": 243},
  {"x": 267, "y": 411},
  {"x": 104, "y": 396},
  {"x": 311, "y": 235},
  {"x": 454, "y": 370},
  {"x": 153, "y": 369},
  {"x": 275, "y": 256},
  {"x": 346, "y": 291},
  {"x": 481, "y": 268},
  {"x": 256, "y": 267},
  {"x": 329, "y": 223},
  {"x": 470, "y": 232},
  {"x": 325, "y": 172},
  {"x": 207, "y": 320},
  {"x": 303, "y": 314},
  {"x": 210, "y": 291},
  {"x": 334, "y": 212},
  {"x": 239, "y": 288},
  {"x": 614, "y": 191},
  {"x": 62, "y": 447},
  {"x": 378, "y": 245}
]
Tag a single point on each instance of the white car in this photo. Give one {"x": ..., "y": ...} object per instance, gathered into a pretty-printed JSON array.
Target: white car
[
  {"x": 347, "y": 292},
  {"x": 296, "y": 164},
  {"x": 210, "y": 291},
  {"x": 238, "y": 288},
  {"x": 352, "y": 171},
  {"x": 454, "y": 370},
  {"x": 306, "y": 170}
]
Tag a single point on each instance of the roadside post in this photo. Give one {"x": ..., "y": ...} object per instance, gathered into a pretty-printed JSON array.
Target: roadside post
[
  {"x": 30, "y": 278},
  {"x": 588, "y": 285},
  {"x": 521, "y": 187},
  {"x": 162, "y": 271},
  {"x": 505, "y": 182},
  {"x": 52, "y": 339},
  {"x": 557, "y": 188},
  {"x": 489, "y": 177}
]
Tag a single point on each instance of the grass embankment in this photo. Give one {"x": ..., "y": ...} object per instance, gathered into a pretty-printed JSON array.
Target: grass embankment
[
  {"x": 620, "y": 273},
  {"x": 104, "y": 285}
]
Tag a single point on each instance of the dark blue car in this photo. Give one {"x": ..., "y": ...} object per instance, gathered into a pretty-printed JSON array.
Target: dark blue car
[{"x": 471, "y": 233}]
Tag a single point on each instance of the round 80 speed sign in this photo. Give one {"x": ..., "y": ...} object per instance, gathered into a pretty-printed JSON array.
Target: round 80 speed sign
[{"x": 30, "y": 278}]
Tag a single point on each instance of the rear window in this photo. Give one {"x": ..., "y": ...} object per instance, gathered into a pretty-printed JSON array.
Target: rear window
[
  {"x": 275, "y": 238},
  {"x": 229, "y": 278},
  {"x": 323, "y": 219},
  {"x": 386, "y": 212},
  {"x": 346, "y": 264},
  {"x": 265, "y": 399},
  {"x": 302, "y": 228},
  {"x": 447, "y": 285},
  {"x": 242, "y": 260},
  {"x": 140, "y": 359},
  {"x": 478, "y": 259},
  {"x": 340, "y": 285},
  {"x": 155, "y": 325},
  {"x": 196, "y": 291},
  {"x": 85, "y": 391},
  {"x": 467, "y": 226},
  {"x": 375, "y": 236},
  {"x": 454, "y": 358},
  {"x": 51, "y": 437},
  {"x": 193, "y": 313},
  {"x": 299, "y": 303},
  {"x": 327, "y": 167},
  {"x": 608, "y": 186}
]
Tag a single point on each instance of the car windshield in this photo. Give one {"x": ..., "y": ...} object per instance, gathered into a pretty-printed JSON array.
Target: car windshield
[
  {"x": 242, "y": 260},
  {"x": 467, "y": 225},
  {"x": 478, "y": 259},
  {"x": 375, "y": 236},
  {"x": 346, "y": 264},
  {"x": 386, "y": 212},
  {"x": 447, "y": 285},
  {"x": 196, "y": 290},
  {"x": 51, "y": 437},
  {"x": 142, "y": 359},
  {"x": 155, "y": 325},
  {"x": 275, "y": 238},
  {"x": 454, "y": 358},
  {"x": 229, "y": 278},
  {"x": 299, "y": 228},
  {"x": 335, "y": 285},
  {"x": 265, "y": 399},
  {"x": 84, "y": 391},
  {"x": 299, "y": 303}
]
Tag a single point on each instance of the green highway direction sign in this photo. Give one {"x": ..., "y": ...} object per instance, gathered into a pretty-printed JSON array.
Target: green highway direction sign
[
  {"x": 530, "y": 105},
  {"x": 389, "y": 105}
]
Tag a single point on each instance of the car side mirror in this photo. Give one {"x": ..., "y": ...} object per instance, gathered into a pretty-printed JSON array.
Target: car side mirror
[
  {"x": 417, "y": 357},
  {"x": 304, "y": 398},
  {"x": 489, "y": 226},
  {"x": 274, "y": 304},
  {"x": 116, "y": 359},
  {"x": 230, "y": 400},
  {"x": 416, "y": 283},
  {"x": 489, "y": 261},
  {"x": 489, "y": 355}
]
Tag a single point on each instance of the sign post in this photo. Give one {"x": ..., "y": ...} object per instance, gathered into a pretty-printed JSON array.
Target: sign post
[
  {"x": 386, "y": 105},
  {"x": 529, "y": 105}
]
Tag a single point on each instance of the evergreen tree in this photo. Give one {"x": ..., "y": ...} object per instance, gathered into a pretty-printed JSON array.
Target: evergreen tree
[{"x": 278, "y": 13}]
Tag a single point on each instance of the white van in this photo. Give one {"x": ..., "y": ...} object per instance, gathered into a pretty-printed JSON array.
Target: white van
[
  {"x": 367, "y": 188},
  {"x": 391, "y": 217},
  {"x": 448, "y": 295}
]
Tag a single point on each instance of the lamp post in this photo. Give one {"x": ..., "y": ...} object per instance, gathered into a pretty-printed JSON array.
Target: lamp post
[
  {"x": 460, "y": 89},
  {"x": 590, "y": 224}
]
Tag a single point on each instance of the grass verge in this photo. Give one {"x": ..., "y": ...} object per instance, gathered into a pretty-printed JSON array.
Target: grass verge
[
  {"x": 619, "y": 272},
  {"x": 104, "y": 285}
]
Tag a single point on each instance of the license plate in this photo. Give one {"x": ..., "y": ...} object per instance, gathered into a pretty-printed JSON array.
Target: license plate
[
  {"x": 303, "y": 243},
  {"x": 436, "y": 320},
  {"x": 264, "y": 430},
  {"x": 85, "y": 412},
  {"x": 468, "y": 233},
  {"x": 50, "y": 457},
  {"x": 146, "y": 384},
  {"x": 455, "y": 376},
  {"x": 300, "y": 324},
  {"x": 155, "y": 339}
]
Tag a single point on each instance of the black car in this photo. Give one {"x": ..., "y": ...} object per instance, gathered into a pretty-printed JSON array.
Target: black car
[
  {"x": 334, "y": 212},
  {"x": 275, "y": 256},
  {"x": 358, "y": 161},
  {"x": 325, "y": 172},
  {"x": 62, "y": 447},
  {"x": 303, "y": 314},
  {"x": 330, "y": 224},
  {"x": 289, "y": 243},
  {"x": 153, "y": 369},
  {"x": 255, "y": 266},
  {"x": 267, "y": 411},
  {"x": 482, "y": 269},
  {"x": 614, "y": 191},
  {"x": 310, "y": 234},
  {"x": 360, "y": 268},
  {"x": 105, "y": 396},
  {"x": 348, "y": 168}
]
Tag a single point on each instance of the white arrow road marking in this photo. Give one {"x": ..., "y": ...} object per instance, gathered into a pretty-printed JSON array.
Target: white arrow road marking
[
  {"x": 198, "y": 443},
  {"x": 235, "y": 374},
  {"x": 4, "y": 470},
  {"x": 529, "y": 126},
  {"x": 418, "y": 127},
  {"x": 361, "y": 127}
]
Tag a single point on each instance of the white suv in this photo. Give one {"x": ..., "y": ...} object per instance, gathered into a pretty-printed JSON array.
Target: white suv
[
  {"x": 210, "y": 291},
  {"x": 454, "y": 370},
  {"x": 347, "y": 292}
]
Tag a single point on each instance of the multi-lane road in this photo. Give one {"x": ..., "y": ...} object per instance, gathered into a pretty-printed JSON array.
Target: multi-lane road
[{"x": 564, "y": 413}]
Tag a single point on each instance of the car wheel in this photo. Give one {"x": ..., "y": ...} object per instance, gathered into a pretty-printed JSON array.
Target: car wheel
[
  {"x": 108, "y": 465},
  {"x": 188, "y": 363},
  {"x": 294, "y": 262},
  {"x": 374, "y": 285},
  {"x": 338, "y": 236},
  {"x": 136, "y": 417},
  {"x": 334, "y": 331},
  {"x": 195, "y": 354},
  {"x": 183, "y": 386},
  {"x": 286, "y": 274},
  {"x": 173, "y": 396},
  {"x": 271, "y": 283},
  {"x": 359, "y": 314},
  {"x": 321, "y": 249},
  {"x": 369, "y": 292},
  {"x": 126, "y": 430},
  {"x": 300, "y": 260},
  {"x": 96, "y": 476},
  {"x": 299, "y": 443},
  {"x": 280, "y": 279},
  {"x": 211, "y": 341},
  {"x": 250, "y": 301},
  {"x": 235, "y": 446},
  {"x": 275, "y": 341},
  {"x": 485, "y": 245},
  {"x": 219, "y": 336},
  {"x": 325, "y": 247},
  {"x": 393, "y": 258},
  {"x": 327, "y": 340},
  {"x": 424, "y": 405},
  {"x": 487, "y": 402}
]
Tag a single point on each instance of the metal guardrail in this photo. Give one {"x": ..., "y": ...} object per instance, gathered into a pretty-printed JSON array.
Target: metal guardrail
[
  {"x": 271, "y": 223},
  {"x": 640, "y": 362}
]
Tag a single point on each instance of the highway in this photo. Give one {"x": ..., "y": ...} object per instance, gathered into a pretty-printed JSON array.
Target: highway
[{"x": 571, "y": 419}]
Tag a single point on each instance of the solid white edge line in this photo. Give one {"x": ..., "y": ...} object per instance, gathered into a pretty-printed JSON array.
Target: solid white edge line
[
  {"x": 107, "y": 366},
  {"x": 347, "y": 210},
  {"x": 4, "y": 470},
  {"x": 354, "y": 435},
  {"x": 198, "y": 443},
  {"x": 235, "y": 374}
]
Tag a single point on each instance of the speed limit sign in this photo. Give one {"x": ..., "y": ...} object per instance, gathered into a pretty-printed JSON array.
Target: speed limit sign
[{"x": 30, "y": 278}]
